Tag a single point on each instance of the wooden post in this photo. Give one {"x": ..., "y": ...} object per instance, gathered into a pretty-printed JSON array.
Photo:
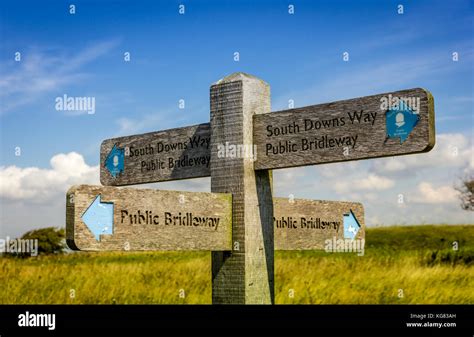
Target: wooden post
[
  {"x": 244, "y": 275},
  {"x": 100, "y": 218}
]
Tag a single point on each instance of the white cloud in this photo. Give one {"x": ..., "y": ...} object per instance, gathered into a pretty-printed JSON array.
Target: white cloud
[
  {"x": 286, "y": 180},
  {"x": 372, "y": 182},
  {"x": 451, "y": 150},
  {"x": 338, "y": 169},
  {"x": 35, "y": 184},
  {"x": 435, "y": 195},
  {"x": 38, "y": 73}
]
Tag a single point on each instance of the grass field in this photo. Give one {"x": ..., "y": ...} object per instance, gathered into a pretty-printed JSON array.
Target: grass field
[{"x": 401, "y": 265}]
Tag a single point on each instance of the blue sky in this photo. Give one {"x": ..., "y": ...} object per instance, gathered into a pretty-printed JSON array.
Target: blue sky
[{"x": 178, "y": 57}]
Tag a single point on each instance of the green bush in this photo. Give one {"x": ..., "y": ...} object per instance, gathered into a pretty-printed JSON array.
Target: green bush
[
  {"x": 51, "y": 240},
  {"x": 449, "y": 257}
]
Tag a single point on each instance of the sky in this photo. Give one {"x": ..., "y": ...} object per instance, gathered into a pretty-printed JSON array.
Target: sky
[{"x": 177, "y": 56}]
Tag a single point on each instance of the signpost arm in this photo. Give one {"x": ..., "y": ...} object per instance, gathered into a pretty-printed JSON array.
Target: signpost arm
[{"x": 244, "y": 275}]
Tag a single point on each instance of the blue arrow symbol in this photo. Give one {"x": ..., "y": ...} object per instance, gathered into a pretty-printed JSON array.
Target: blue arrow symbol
[
  {"x": 400, "y": 121},
  {"x": 351, "y": 226},
  {"x": 114, "y": 161},
  {"x": 99, "y": 217}
]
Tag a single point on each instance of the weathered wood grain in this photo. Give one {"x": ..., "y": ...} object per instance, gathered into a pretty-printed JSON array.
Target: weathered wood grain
[
  {"x": 173, "y": 154},
  {"x": 310, "y": 233},
  {"x": 301, "y": 224},
  {"x": 190, "y": 152},
  {"x": 246, "y": 274},
  {"x": 157, "y": 232},
  {"x": 371, "y": 139}
]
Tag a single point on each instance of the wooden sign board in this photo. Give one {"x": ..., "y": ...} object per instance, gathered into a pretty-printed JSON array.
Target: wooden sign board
[
  {"x": 109, "y": 218},
  {"x": 301, "y": 224},
  {"x": 389, "y": 124},
  {"x": 382, "y": 125},
  {"x": 156, "y": 156}
]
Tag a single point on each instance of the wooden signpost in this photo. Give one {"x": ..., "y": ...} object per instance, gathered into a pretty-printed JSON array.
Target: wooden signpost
[
  {"x": 240, "y": 221},
  {"x": 156, "y": 156},
  {"x": 107, "y": 218},
  {"x": 301, "y": 224},
  {"x": 353, "y": 129}
]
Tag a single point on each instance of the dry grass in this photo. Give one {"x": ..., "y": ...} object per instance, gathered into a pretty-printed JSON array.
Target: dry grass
[{"x": 395, "y": 259}]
